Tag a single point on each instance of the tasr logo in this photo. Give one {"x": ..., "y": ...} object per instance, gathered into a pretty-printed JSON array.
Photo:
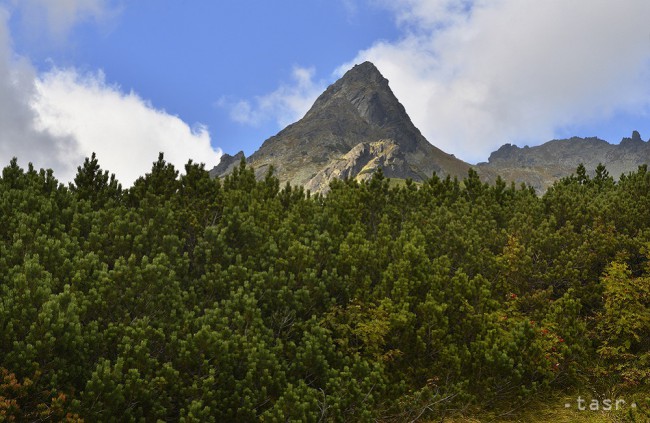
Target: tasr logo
[{"x": 606, "y": 404}]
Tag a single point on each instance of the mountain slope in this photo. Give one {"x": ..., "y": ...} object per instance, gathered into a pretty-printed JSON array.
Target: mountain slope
[
  {"x": 346, "y": 121},
  {"x": 540, "y": 166}
]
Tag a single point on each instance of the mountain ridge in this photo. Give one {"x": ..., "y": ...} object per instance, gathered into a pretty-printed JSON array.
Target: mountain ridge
[
  {"x": 358, "y": 125},
  {"x": 541, "y": 165}
]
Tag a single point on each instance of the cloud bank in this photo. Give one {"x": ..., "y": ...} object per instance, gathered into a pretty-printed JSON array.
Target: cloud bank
[
  {"x": 57, "y": 118},
  {"x": 18, "y": 134},
  {"x": 125, "y": 131},
  {"x": 476, "y": 74}
]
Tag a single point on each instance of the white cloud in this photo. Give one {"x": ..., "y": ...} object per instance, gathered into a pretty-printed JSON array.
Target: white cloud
[
  {"x": 125, "y": 131},
  {"x": 474, "y": 75},
  {"x": 56, "y": 119},
  {"x": 18, "y": 136},
  {"x": 55, "y": 18},
  {"x": 285, "y": 105}
]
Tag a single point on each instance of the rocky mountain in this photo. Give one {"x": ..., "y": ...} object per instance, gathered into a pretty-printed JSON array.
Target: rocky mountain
[
  {"x": 227, "y": 163},
  {"x": 357, "y": 126},
  {"x": 354, "y": 127},
  {"x": 540, "y": 166}
]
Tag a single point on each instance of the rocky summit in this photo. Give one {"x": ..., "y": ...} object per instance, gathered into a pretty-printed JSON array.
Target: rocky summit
[{"x": 356, "y": 126}]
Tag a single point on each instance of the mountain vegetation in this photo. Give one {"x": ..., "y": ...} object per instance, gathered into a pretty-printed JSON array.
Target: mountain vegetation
[{"x": 197, "y": 299}]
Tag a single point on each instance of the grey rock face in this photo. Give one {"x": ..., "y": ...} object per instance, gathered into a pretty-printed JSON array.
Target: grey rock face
[
  {"x": 358, "y": 109},
  {"x": 227, "y": 164},
  {"x": 542, "y": 165},
  {"x": 361, "y": 162}
]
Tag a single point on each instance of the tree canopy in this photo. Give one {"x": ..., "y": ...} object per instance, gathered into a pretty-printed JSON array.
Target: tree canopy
[{"x": 188, "y": 298}]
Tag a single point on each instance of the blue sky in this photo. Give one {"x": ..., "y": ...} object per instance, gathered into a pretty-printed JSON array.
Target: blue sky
[
  {"x": 187, "y": 57},
  {"x": 194, "y": 79}
]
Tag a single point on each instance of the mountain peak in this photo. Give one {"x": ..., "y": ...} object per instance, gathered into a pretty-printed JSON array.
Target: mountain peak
[
  {"x": 635, "y": 140},
  {"x": 354, "y": 121},
  {"x": 365, "y": 71},
  {"x": 363, "y": 93},
  {"x": 365, "y": 88}
]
